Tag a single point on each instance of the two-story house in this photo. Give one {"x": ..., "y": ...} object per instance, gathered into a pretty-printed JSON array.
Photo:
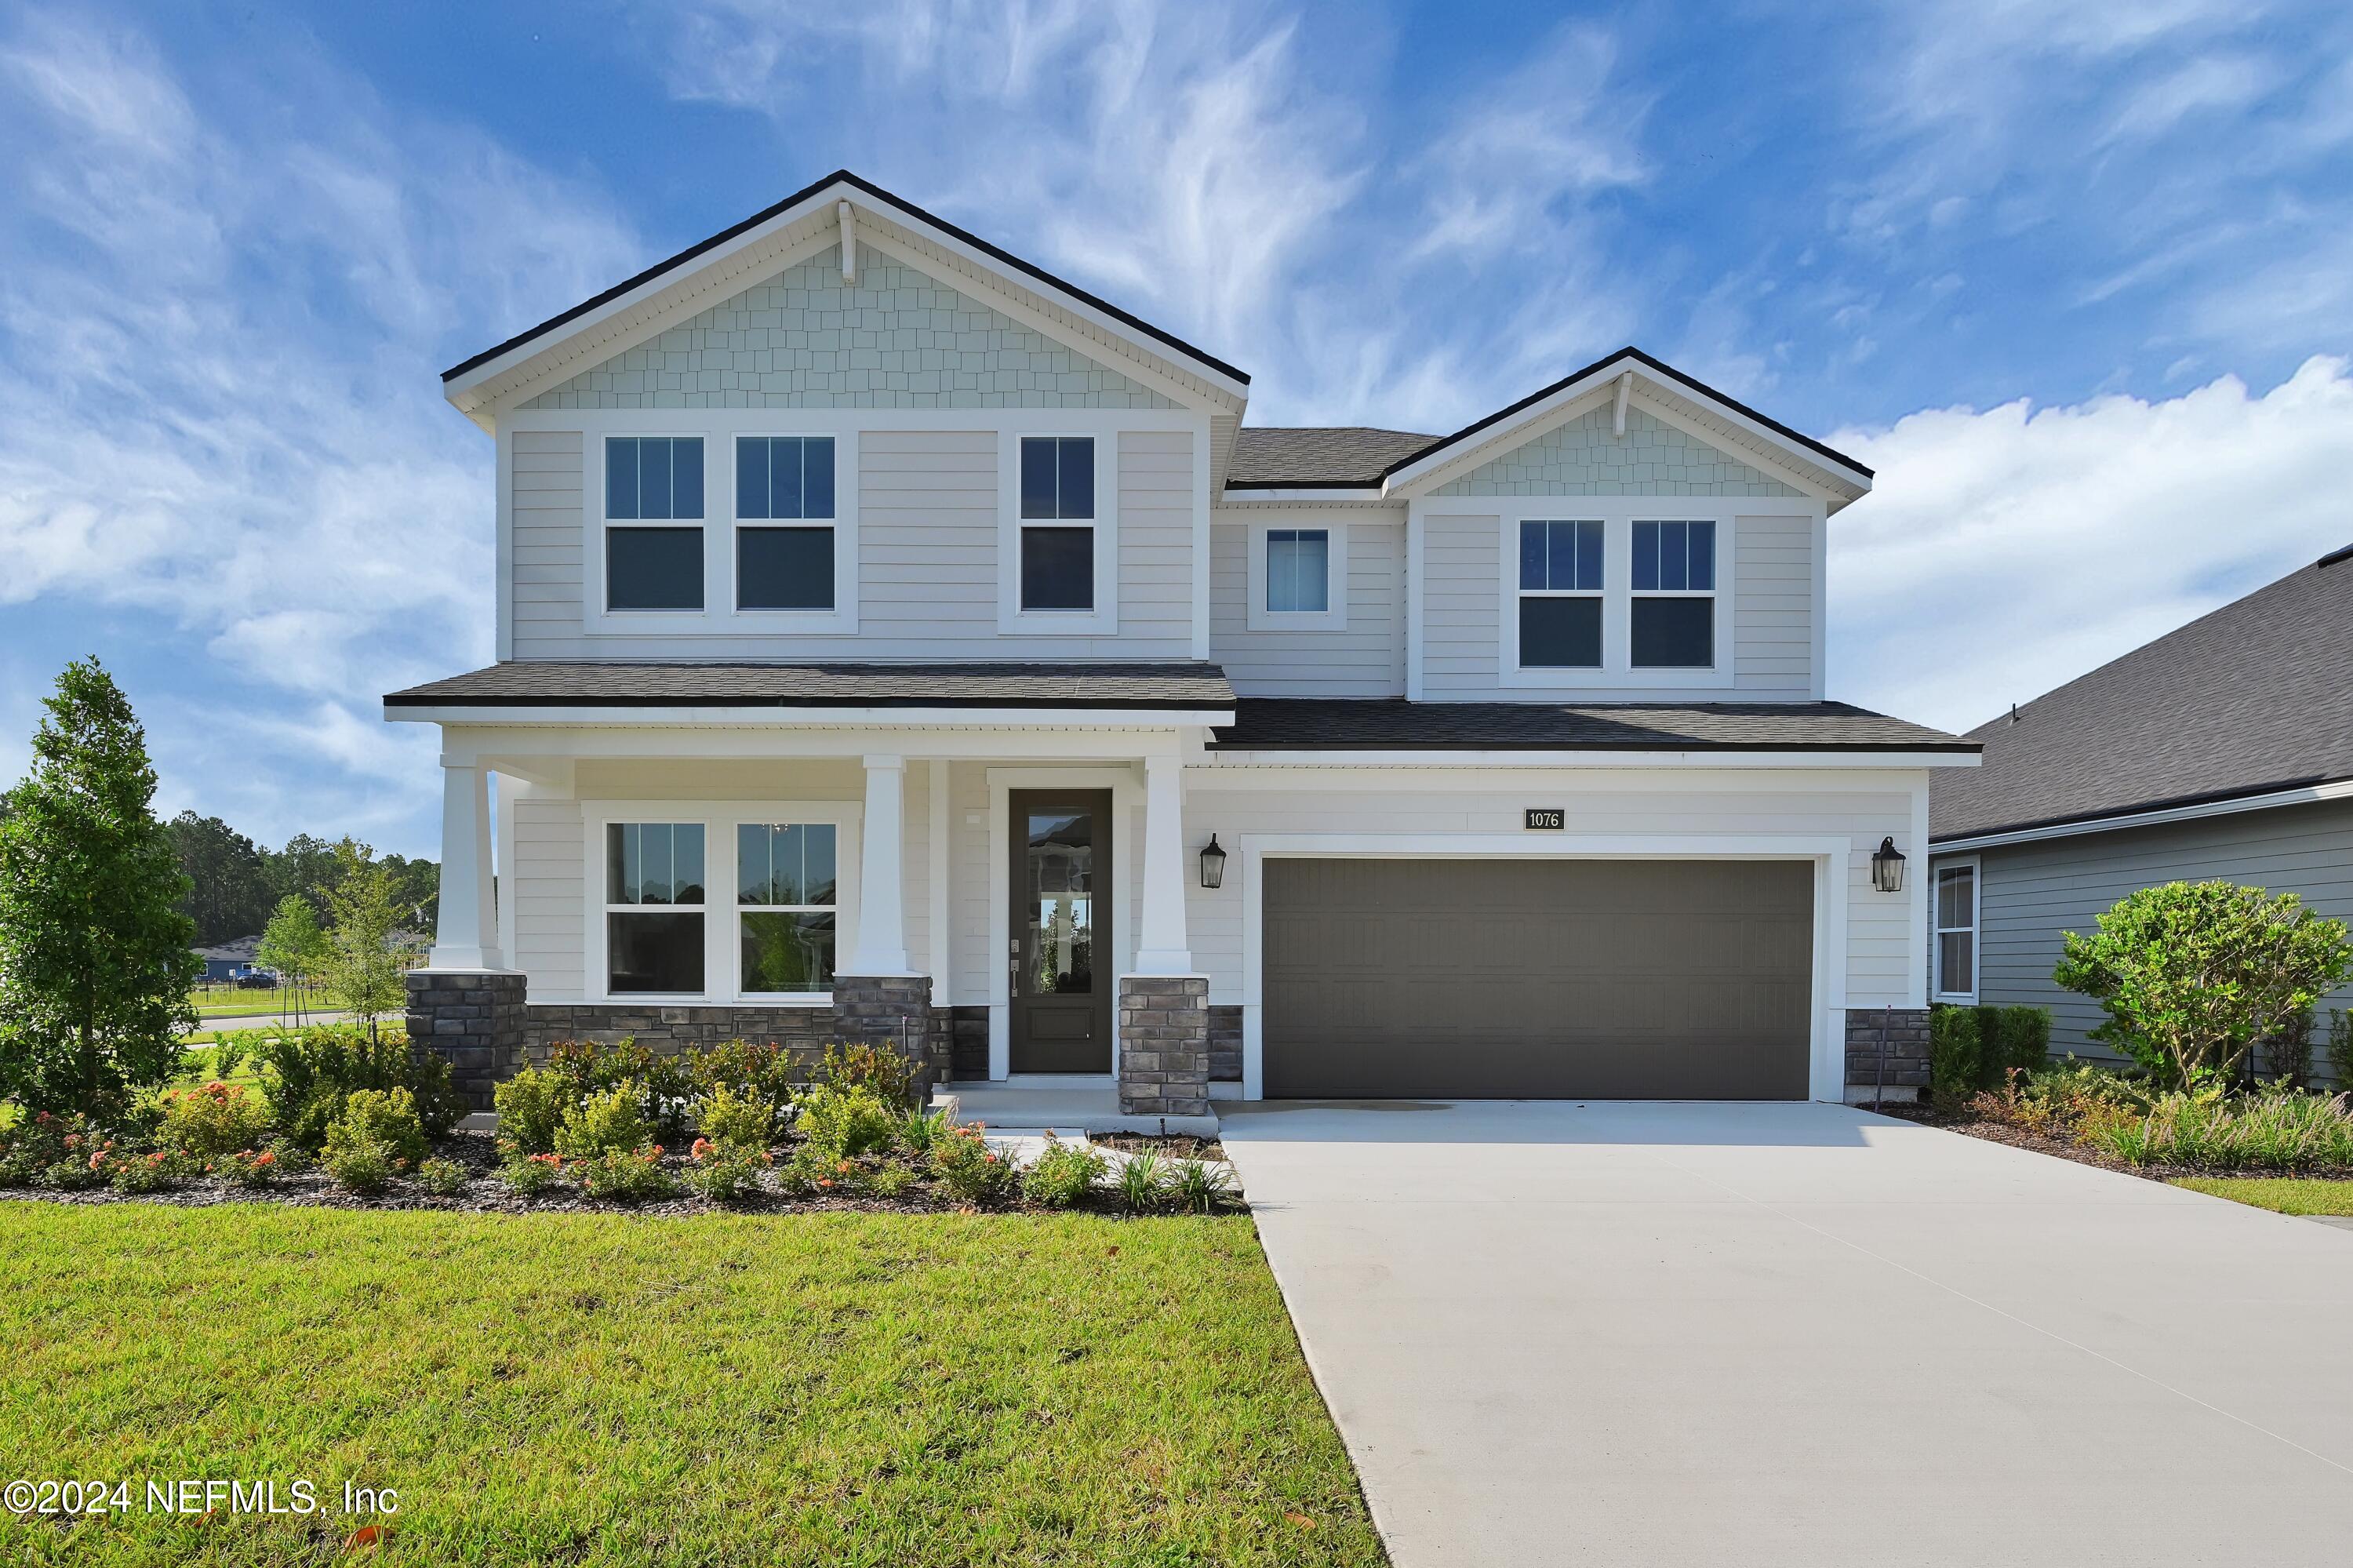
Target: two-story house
[{"x": 893, "y": 636}]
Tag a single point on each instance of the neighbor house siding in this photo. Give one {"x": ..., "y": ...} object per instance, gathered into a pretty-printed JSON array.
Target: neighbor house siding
[
  {"x": 898, "y": 338},
  {"x": 1365, "y": 659},
  {"x": 2031, "y": 894},
  {"x": 1587, "y": 457}
]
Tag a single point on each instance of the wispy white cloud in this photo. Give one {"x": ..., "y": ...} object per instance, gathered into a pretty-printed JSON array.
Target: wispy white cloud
[{"x": 2009, "y": 549}]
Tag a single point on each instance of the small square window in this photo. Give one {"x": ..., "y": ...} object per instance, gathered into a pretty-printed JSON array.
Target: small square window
[
  {"x": 1674, "y": 558},
  {"x": 1058, "y": 568},
  {"x": 784, "y": 476},
  {"x": 653, "y": 478},
  {"x": 1560, "y": 633},
  {"x": 1674, "y": 633},
  {"x": 1058, "y": 478},
  {"x": 1560, "y": 556},
  {"x": 1298, "y": 570},
  {"x": 784, "y": 568},
  {"x": 653, "y": 569}
]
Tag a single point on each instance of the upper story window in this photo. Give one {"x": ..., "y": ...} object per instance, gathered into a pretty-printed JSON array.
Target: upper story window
[
  {"x": 1672, "y": 624},
  {"x": 1057, "y": 515},
  {"x": 1560, "y": 594},
  {"x": 1298, "y": 571},
  {"x": 653, "y": 513},
  {"x": 1955, "y": 916},
  {"x": 784, "y": 523},
  {"x": 653, "y": 908}
]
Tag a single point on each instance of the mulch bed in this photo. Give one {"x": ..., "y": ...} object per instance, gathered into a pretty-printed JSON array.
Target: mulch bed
[
  {"x": 1972, "y": 1126},
  {"x": 486, "y": 1192}
]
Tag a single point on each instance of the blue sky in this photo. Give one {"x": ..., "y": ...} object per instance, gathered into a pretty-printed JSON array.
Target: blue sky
[{"x": 2077, "y": 279}]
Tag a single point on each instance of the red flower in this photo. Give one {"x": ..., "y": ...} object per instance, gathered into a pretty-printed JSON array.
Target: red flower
[{"x": 265, "y": 1158}]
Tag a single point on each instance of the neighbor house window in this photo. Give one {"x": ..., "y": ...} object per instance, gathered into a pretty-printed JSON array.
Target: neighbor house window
[
  {"x": 1057, "y": 515},
  {"x": 1955, "y": 916},
  {"x": 653, "y": 908},
  {"x": 1298, "y": 570},
  {"x": 785, "y": 896},
  {"x": 653, "y": 522},
  {"x": 1560, "y": 595},
  {"x": 1672, "y": 622},
  {"x": 785, "y": 514}
]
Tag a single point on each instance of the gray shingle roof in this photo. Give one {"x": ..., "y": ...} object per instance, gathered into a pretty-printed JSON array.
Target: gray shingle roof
[
  {"x": 1286, "y": 724},
  {"x": 2257, "y": 695},
  {"x": 563, "y": 685},
  {"x": 1268, "y": 456}
]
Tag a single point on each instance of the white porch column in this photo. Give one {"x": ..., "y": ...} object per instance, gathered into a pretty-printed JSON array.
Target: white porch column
[
  {"x": 881, "y": 872},
  {"x": 1160, "y": 948},
  {"x": 466, "y": 936}
]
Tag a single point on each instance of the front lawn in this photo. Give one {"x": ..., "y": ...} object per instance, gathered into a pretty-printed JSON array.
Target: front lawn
[
  {"x": 2285, "y": 1195},
  {"x": 835, "y": 1389}
]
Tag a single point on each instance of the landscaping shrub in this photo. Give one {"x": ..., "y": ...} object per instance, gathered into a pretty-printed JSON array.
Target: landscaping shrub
[
  {"x": 1065, "y": 1175},
  {"x": 385, "y": 1116},
  {"x": 665, "y": 1086},
  {"x": 2340, "y": 1048},
  {"x": 891, "y": 1182},
  {"x": 206, "y": 1123},
  {"x": 308, "y": 1074},
  {"x": 625, "y": 1175},
  {"x": 442, "y": 1178},
  {"x": 606, "y": 1121},
  {"x": 724, "y": 1172},
  {"x": 918, "y": 1130},
  {"x": 736, "y": 1117},
  {"x": 759, "y": 1072},
  {"x": 1140, "y": 1184},
  {"x": 2269, "y": 1130},
  {"x": 148, "y": 1172},
  {"x": 364, "y": 1165},
  {"x": 529, "y": 1175},
  {"x": 1199, "y": 1187},
  {"x": 2191, "y": 974},
  {"x": 33, "y": 1143},
  {"x": 883, "y": 1071},
  {"x": 844, "y": 1122},
  {"x": 969, "y": 1169},
  {"x": 2287, "y": 1054},
  {"x": 1956, "y": 1055},
  {"x": 2011, "y": 1039},
  {"x": 248, "y": 1168},
  {"x": 530, "y": 1106}
]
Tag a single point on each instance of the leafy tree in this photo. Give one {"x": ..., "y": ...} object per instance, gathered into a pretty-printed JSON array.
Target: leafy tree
[
  {"x": 2192, "y": 974},
  {"x": 94, "y": 960},
  {"x": 418, "y": 885},
  {"x": 294, "y": 946},
  {"x": 305, "y": 867},
  {"x": 364, "y": 972},
  {"x": 229, "y": 886}
]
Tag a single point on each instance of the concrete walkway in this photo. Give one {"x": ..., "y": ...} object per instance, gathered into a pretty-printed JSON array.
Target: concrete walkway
[{"x": 1696, "y": 1334}]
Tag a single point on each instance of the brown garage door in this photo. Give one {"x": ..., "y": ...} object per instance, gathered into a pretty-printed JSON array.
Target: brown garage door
[{"x": 1536, "y": 979}]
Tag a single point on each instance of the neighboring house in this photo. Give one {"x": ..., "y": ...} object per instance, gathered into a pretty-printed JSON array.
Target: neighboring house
[
  {"x": 2223, "y": 749},
  {"x": 886, "y": 629},
  {"x": 232, "y": 958}
]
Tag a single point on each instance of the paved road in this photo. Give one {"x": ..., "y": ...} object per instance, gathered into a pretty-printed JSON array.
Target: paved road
[
  {"x": 269, "y": 1021},
  {"x": 1694, "y": 1334}
]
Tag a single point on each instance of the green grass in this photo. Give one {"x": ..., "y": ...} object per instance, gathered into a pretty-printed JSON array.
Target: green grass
[
  {"x": 2286, "y": 1194},
  {"x": 230, "y": 1002},
  {"x": 858, "y": 1389},
  {"x": 200, "y": 1063}
]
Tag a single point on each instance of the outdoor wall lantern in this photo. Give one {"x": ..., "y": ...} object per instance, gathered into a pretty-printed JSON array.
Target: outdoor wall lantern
[
  {"x": 1213, "y": 864},
  {"x": 1887, "y": 867}
]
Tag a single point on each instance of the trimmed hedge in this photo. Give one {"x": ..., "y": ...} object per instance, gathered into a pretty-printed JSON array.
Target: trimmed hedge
[{"x": 1973, "y": 1048}]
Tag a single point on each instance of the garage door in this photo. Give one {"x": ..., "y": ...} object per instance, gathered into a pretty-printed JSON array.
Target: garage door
[{"x": 1536, "y": 979}]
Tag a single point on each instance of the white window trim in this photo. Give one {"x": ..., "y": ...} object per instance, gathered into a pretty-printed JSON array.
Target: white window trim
[
  {"x": 1617, "y": 515},
  {"x": 843, "y": 617},
  {"x": 598, "y": 507},
  {"x": 723, "y": 955},
  {"x": 1336, "y": 571},
  {"x": 1976, "y": 928},
  {"x": 1012, "y": 621},
  {"x": 718, "y": 427}
]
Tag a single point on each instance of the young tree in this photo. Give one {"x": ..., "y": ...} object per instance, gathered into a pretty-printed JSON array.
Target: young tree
[
  {"x": 2192, "y": 974},
  {"x": 364, "y": 972},
  {"x": 95, "y": 964},
  {"x": 293, "y": 945}
]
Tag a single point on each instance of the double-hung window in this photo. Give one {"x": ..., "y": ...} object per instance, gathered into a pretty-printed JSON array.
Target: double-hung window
[
  {"x": 786, "y": 905},
  {"x": 1673, "y": 619},
  {"x": 653, "y": 523},
  {"x": 653, "y": 908},
  {"x": 784, "y": 523},
  {"x": 1298, "y": 571},
  {"x": 1955, "y": 918},
  {"x": 1560, "y": 594},
  {"x": 1057, "y": 523}
]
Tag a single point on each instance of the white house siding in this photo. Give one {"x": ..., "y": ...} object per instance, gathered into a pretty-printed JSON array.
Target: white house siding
[
  {"x": 1460, "y": 640},
  {"x": 1882, "y": 963},
  {"x": 2031, "y": 894},
  {"x": 546, "y": 866},
  {"x": 929, "y": 507},
  {"x": 1773, "y": 607},
  {"x": 1365, "y": 659},
  {"x": 899, "y": 338},
  {"x": 1585, "y": 456}
]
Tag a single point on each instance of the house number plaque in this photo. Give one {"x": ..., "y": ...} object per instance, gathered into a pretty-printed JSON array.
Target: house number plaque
[{"x": 1552, "y": 817}]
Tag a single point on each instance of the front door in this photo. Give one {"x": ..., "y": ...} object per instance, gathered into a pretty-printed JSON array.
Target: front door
[{"x": 1061, "y": 958}]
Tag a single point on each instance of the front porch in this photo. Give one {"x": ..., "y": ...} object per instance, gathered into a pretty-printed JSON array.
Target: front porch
[
  {"x": 1068, "y": 1104},
  {"x": 605, "y": 885}
]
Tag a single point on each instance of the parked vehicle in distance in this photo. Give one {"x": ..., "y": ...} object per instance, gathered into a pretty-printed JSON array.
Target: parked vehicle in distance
[{"x": 257, "y": 979}]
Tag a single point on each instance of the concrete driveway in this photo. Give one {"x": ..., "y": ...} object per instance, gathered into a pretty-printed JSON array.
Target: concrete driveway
[{"x": 1800, "y": 1334}]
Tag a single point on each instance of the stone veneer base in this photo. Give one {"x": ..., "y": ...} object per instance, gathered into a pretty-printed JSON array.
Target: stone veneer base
[
  {"x": 1164, "y": 1045},
  {"x": 1906, "y": 1030}
]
